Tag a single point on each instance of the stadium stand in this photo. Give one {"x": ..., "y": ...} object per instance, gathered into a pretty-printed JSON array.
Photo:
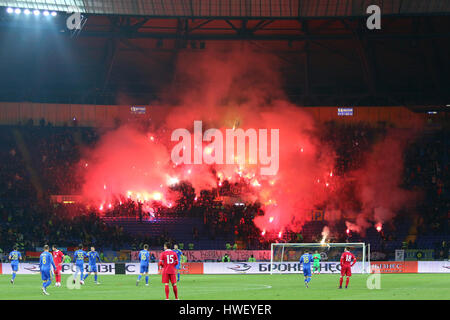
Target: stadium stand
[{"x": 31, "y": 158}]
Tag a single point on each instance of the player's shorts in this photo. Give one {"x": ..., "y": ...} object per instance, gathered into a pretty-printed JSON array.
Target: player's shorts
[
  {"x": 15, "y": 267},
  {"x": 58, "y": 270},
  {"x": 93, "y": 268},
  {"x": 307, "y": 272},
  {"x": 316, "y": 265},
  {"x": 169, "y": 277},
  {"x": 346, "y": 271},
  {"x": 144, "y": 268},
  {"x": 45, "y": 275},
  {"x": 79, "y": 267}
]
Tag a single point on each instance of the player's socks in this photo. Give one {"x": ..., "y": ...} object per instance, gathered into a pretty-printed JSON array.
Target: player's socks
[
  {"x": 146, "y": 279},
  {"x": 46, "y": 284},
  {"x": 340, "y": 282},
  {"x": 95, "y": 277},
  {"x": 139, "y": 277},
  {"x": 346, "y": 282},
  {"x": 175, "y": 291},
  {"x": 87, "y": 275},
  {"x": 166, "y": 288},
  {"x": 13, "y": 276},
  {"x": 178, "y": 277}
]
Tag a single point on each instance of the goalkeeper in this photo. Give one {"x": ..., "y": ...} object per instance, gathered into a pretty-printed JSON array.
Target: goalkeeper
[{"x": 316, "y": 262}]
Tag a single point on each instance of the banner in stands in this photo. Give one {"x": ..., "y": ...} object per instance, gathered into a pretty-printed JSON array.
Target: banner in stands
[
  {"x": 33, "y": 254},
  {"x": 418, "y": 254},
  {"x": 186, "y": 268},
  {"x": 399, "y": 255},
  {"x": 202, "y": 255},
  {"x": 67, "y": 268}
]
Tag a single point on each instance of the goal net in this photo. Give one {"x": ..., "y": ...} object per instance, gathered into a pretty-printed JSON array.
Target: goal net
[{"x": 284, "y": 257}]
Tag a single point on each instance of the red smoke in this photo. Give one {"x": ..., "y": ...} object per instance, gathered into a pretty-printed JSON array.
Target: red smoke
[
  {"x": 379, "y": 181},
  {"x": 240, "y": 89}
]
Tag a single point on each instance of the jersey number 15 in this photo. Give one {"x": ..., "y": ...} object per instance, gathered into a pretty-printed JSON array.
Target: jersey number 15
[{"x": 170, "y": 259}]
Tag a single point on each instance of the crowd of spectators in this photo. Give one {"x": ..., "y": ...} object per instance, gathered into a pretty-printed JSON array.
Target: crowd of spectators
[
  {"x": 350, "y": 142},
  {"x": 231, "y": 219},
  {"x": 427, "y": 169},
  {"x": 53, "y": 153},
  {"x": 14, "y": 177},
  {"x": 31, "y": 225}
]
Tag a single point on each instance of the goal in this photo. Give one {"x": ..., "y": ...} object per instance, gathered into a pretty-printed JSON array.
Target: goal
[{"x": 284, "y": 257}]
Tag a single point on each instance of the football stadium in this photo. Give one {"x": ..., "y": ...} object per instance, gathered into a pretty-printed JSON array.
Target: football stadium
[{"x": 224, "y": 150}]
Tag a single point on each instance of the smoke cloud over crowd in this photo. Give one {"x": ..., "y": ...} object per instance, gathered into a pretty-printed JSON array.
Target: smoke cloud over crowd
[{"x": 239, "y": 89}]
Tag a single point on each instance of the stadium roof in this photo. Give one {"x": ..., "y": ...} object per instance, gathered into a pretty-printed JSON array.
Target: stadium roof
[
  {"x": 280, "y": 9},
  {"x": 324, "y": 61}
]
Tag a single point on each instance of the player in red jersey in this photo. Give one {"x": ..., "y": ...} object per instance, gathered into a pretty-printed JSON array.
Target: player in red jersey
[
  {"x": 58, "y": 257},
  {"x": 168, "y": 261},
  {"x": 348, "y": 260}
]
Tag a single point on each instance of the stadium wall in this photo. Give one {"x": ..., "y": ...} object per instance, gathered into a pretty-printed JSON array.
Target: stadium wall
[
  {"x": 387, "y": 267},
  {"x": 12, "y": 113}
]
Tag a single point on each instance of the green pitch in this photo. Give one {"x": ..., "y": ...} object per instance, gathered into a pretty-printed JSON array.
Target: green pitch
[{"x": 225, "y": 287}]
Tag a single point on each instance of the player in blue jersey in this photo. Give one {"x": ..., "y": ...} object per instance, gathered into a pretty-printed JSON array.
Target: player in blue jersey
[
  {"x": 179, "y": 254},
  {"x": 93, "y": 256},
  {"x": 78, "y": 257},
  {"x": 144, "y": 259},
  {"x": 45, "y": 264},
  {"x": 306, "y": 259},
  {"x": 14, "y": 257}
]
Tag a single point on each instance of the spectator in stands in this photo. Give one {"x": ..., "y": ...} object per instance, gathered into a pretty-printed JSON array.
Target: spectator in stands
[{"x": 55, "y": 157}]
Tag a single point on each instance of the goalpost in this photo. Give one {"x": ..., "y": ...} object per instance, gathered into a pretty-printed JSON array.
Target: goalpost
[{"x": 330, "y": 252}]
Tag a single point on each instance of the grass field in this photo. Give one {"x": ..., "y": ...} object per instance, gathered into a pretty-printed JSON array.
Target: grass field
[{"x": 235, "y": 287}]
